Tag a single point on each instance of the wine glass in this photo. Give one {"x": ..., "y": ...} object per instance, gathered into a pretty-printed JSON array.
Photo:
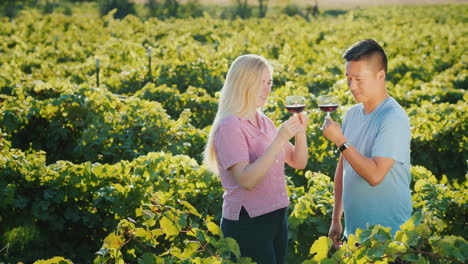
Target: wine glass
[
  {"x": 328, "y": 103},
  {"x": 295, "y": 104}
]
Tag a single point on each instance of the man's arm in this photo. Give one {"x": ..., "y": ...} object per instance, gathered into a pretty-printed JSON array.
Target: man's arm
[
  {"x": 373, "y": 170},
  {"x": 336, "y": 228}
]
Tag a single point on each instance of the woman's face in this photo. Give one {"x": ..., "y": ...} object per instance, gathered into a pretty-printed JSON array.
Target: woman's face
[{"x": 265, "y": 89}]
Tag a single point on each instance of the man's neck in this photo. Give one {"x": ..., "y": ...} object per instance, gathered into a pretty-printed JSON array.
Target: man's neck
[{"x": 370, "y": 106}]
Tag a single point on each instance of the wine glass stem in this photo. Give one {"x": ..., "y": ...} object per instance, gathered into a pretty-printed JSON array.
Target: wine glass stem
[{"x": 328, "y": 113}]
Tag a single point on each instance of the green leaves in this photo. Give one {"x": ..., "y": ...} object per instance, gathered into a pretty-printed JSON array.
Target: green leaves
[
  {"x": 452, "y": 246},
  {"x": 214, "y": 228},
  {"x": 320, "y": 248},
  {"x": 113, "y": 241},
  {"x": 170, "y": 224},
  {"x": 181, "y": 243},
  {"x": 150, "y": 258},
  {"x": 54, "y": 260},
  {"x": 415, "y": 243},
  {"x": 191, "y": 209},
  {"x": 229, "y": 245},
  {"x": 120, "y": 163}
]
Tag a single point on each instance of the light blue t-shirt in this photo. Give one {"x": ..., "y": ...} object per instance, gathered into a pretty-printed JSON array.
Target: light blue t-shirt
[{"x": 383, "y": 133}]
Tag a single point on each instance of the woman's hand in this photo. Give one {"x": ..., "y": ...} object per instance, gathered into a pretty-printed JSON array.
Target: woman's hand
[
  {"x": 304, "y": 120},
  {"x": 297, "y": 154},
  {"x": 289, "y": 128},
  {"x": 248, "y": 175}
]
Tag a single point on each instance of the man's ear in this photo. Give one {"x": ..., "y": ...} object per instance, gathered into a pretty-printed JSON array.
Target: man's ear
[{"x": 381, "y": 75}]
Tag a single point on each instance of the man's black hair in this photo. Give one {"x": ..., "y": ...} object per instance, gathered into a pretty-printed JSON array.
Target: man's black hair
[{"x": 366, "y": 49}]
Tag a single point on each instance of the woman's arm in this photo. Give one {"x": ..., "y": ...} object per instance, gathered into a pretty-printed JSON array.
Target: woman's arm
[
  {"x": 248, "y": 175},
  {"x": 297, "y": 154}
]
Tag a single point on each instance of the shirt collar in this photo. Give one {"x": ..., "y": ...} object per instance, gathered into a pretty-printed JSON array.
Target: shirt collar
[{"x": 260, "y": 120}]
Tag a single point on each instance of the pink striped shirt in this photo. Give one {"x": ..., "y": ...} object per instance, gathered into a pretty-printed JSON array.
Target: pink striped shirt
[{"x": 238, "y": 140}]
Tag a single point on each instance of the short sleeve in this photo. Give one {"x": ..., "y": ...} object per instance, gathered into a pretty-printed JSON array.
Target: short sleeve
[
  {"x": 230, "y": 144},
  {"x": 393, "y": 138},
  {"x": 344, "y": 124},
  {"x": 349, "y": 115}
]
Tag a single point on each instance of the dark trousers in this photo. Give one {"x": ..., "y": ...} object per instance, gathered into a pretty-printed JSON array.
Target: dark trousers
[{"x": 264, "y": 238}]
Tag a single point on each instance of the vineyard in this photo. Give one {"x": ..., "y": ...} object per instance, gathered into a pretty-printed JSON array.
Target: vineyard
[{"x": 111, "y": 172}]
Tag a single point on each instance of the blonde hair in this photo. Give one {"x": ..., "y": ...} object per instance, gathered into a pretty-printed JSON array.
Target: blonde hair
[{"x": 238, "y": 96}]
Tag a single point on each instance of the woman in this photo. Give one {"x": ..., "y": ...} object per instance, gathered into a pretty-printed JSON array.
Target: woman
[{"x": 248, "y": 153}]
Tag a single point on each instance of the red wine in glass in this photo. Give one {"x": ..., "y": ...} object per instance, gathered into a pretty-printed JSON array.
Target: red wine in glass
[
  {"x": 328, "y": 108},
  {"x": 295, "y": 104},
  {"x": 295, "y": 109},
  {"x": 328, "y": 103}
]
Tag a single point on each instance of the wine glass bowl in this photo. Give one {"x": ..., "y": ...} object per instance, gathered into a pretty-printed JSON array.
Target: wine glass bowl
[
  {"x": 328, "y": 103},
  {"x": 295, "y": 104}
]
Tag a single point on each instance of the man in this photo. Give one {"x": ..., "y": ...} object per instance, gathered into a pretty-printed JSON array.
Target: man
[{"x": 372, "y": 178}]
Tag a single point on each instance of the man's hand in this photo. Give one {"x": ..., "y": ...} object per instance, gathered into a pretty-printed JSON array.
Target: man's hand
[
  {"x": 335, "y": 233},
  {"x": 332, "y": 131}
]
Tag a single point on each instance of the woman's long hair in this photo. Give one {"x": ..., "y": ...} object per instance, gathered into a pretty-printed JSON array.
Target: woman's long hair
[{"x": 238, "y": 96}]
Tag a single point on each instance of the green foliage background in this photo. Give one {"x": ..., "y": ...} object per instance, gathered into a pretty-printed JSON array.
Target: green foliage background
[{"x": 112, "y": 173}]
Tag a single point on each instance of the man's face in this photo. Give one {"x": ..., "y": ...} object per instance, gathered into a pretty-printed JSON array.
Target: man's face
[{"x": 363, "y": 80}]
